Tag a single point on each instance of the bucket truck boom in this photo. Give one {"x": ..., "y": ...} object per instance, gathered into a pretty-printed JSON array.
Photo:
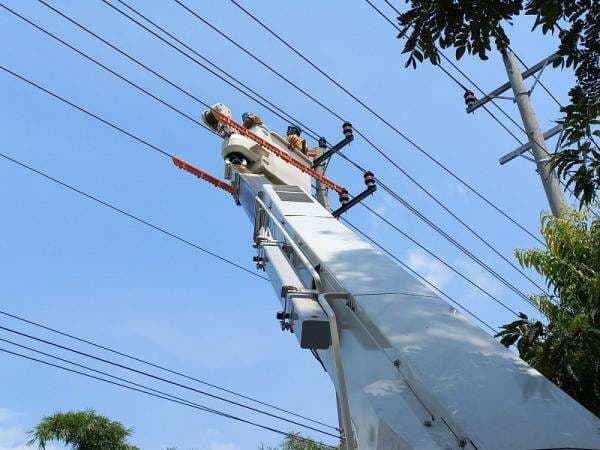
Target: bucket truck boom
[{"x": 410, "y": 371}]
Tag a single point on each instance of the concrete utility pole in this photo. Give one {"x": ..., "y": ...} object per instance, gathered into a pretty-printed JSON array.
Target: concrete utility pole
[
  {"x": 537, "y": 143},
  {"x": 322, "y": 193}
]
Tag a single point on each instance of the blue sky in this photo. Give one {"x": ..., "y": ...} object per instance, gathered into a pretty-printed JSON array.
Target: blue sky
[{"x": 74, "y": 265}]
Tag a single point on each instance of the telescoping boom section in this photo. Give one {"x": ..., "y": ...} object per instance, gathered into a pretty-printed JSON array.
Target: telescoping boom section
[{"x": 410, "y": 371}]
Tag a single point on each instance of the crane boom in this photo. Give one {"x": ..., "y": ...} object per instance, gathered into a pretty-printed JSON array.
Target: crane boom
[{"x": 410, "y": 371}]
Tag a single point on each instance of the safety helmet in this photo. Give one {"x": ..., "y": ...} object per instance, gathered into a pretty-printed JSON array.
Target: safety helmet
[
  {"x": 294, "y": 129},
  {"x": 246, "y": 115}
]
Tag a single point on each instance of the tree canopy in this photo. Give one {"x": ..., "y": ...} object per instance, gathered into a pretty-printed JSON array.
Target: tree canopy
[
  {"x": 81, "y": 430},
  {"x": 566, "y": 346},
  {"x": 475, "y": 27}
]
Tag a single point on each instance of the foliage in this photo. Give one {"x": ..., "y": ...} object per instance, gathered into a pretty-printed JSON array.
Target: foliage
[
  {"x": 579, "y": 160},
  {"x": 566, "y": 349},
  {"x": 471, "y": 27},
  {"x": 81, "y": 430},
  {"x": 295, "y": 442}
]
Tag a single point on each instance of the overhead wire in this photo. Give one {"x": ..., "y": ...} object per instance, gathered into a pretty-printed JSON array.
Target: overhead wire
[
  {"x": 165, "y": 396},
  {"x": 391, "y": 192},
  {"x": 508, "y": 116},
  {"x": 459, "y": 70},
  {"x": 462, "y": 248},
  {"x": 386, "y": 122},
  {"x": 112, "y": 125},
  {"x": 96, "y": 199},
  {"x": 165, "y": 153},
  {"x": 446, "y": 264},
  {"x": 335, "y": 114},
  {"x": 166, "y": 380},
  {"x": 132, "y": 216},
  {"x": 421, "y": 277},
  {"x": 161, "y": 367}
]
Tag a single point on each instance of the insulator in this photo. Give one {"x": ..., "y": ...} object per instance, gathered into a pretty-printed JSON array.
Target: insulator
[
  {"x": 470, "y": 98},
  {"x": 347, "y": 129},
  {"x": 322, "y": 142},
  {"x": 344, "y": 197},
  {"x": 281, "y": 315},
  {"x": 369, "y": 179}
]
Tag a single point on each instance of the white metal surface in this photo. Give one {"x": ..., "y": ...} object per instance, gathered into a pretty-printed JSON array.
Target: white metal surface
[
  {"x": 264, "y": 162},
  {"x": 420, "y": 375}
]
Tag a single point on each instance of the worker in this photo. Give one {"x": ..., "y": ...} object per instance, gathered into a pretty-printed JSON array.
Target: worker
[
  {"x": 294, "y": 141},
  {"x": 250, "y": 120}
]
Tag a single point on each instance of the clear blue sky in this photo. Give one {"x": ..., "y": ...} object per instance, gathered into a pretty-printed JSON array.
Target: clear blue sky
[{"x": 74, "y": 265}]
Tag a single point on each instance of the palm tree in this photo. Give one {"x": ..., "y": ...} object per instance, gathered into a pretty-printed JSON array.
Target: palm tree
[{"x": 81, "y": 430}]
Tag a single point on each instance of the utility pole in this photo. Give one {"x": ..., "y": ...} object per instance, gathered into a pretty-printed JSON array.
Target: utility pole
[
  {"x": 537, "y": 140},
  {"x": 322, "y": 194},
  {"x": 554, "y": 192}
]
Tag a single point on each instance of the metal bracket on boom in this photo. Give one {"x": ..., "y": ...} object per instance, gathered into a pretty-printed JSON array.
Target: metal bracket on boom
[
  {"x": 348, "y": 203},
  {"x": 349, "y": 137}
]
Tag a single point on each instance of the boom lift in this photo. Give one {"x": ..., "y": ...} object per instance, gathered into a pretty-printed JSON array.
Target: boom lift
[{"x": 410, "y": 371}]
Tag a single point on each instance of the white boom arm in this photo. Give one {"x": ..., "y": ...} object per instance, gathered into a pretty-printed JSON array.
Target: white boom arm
[{"x": 413, "y": 372}]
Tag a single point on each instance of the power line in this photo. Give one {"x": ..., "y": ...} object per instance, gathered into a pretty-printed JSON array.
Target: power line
[
  {"x": 452, "y": 268},
  {"x": 508, "y": 116},
  {"x": 464, "y": 250},
  {"x": 76, "y": 190},
  {"x": 163, "y": 396},
  {"x": 458, "y": 69},
  {"x": 388, "y": 190},
  {"x": 387, "y": 123},
  {"x": 446, "y": 236},
  {"x": 108, "y": 69},
  {"x": 245, "y": 86},
  {"x": 415, "y": 273},
  {"x": 274, "y": 71},
  {"x": 131, "y": 216},
  {"x": 157, "y": 366},
  {"x": 291, "y": 83},
  {"x": 265, "y": 103},
  {"x": 165, "y": 380}
]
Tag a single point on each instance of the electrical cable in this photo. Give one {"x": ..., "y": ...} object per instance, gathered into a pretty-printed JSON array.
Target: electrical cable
[
  {"x": 108, "y": 69},
  {"x": 446, "y": 236},
  {"x": 265, "y": 103},
  {"x": 387, "y": 123},
  {"x": 415, "y": 273},
  {"x": 434, "y": 198},
  {"x": 132, "y": 216},
  {"x": 157, "y": 366},
  {"x": 167, "y": 397},
  {"x": 449, "y": 61},
  {"x": 166, "y": 380},
  {"x": 390, "y": 192},
  {"x": 291, "y": 83},
  {"x": 452, "y": 268},
  {"x": 162, "y": 152}
]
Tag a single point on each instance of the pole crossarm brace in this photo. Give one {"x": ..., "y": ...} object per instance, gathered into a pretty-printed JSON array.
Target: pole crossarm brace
[
  {"x": 526, "y": 147},
  {"x": 355, "y": 201},
  {"x": 497, "y": 93},
  {"x": 333, "y": 150}
]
